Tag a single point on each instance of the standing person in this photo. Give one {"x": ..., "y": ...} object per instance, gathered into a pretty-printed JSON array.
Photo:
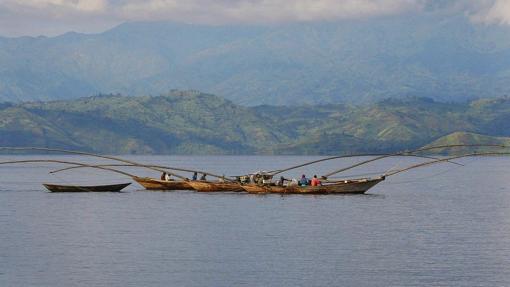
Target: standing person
[
  {"x": 195, "y": 176},
  {"x": 163, "y": 176},
  {"x": 303, "y": 181},
  {"x": 203, "y": 177},
  {"x": 316, "y": 181},
  {"x": 281, "y": 181}
]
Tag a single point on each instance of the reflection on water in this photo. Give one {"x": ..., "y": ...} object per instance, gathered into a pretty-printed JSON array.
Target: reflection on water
[{"x": 440, "y": 226}]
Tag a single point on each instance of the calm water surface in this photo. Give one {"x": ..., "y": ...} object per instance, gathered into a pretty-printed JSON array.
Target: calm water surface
[{"x": 440, "y": 226}]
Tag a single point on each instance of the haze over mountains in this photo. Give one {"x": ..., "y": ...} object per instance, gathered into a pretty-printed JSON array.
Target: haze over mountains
[{"x": 444, "y": 58}]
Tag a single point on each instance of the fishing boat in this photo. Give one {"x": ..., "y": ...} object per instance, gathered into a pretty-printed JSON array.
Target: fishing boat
[
  {"x": 82, "y": 188},
  {"x": 215, "y": 186},
  {"x": 157, "y": 184},
  {"x": 350, "y": 186},
  {"x": 247, "y": 183}
]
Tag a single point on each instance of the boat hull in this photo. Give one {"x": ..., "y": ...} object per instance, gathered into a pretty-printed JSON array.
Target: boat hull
[
  {"x": 156, "y": 184},
  {"x": 208, "y": 186},
  {"x": 344, "y": 187},
  {"x": 78, "y": 188}
]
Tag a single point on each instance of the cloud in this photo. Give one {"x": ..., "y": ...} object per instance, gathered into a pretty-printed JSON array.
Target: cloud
[
  {"x": 33, "y": 11},
  {"x": 46, "y": 16},
  {"x": 44, "y": 5},
  {"x": 497, "y": 12},
  {"x": 50, "y": 17},
  {"x": 257, "y": 11}
]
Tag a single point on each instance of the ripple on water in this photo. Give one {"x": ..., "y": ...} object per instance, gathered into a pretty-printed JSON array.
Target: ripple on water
[{"x": 451, "y": 229}]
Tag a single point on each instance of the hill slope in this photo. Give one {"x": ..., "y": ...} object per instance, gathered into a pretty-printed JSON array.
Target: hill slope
[
  {"x": 176, "y": 123},
  {"x": 464, "y": 138},
  {"x": 196, "y": 123}
]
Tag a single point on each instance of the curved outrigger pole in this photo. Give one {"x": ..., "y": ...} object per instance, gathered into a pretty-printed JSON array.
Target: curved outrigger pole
[
  {"x": 87, "y": 154},
  {"x": 443, "y": 160},
  {"x": 379, "y": 156},
  {"x": 166, "y": 170},
  {"x": 152, "y": 166},
  {"x": 67, "y": 162},
  {"x": 407, "y": 153}
]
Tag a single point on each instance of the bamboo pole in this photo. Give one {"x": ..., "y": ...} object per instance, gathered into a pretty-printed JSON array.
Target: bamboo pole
[
  {"x": 381, "y": 155},
  {"x": 87, "y": 154},
  {"x": 131, "y": 165},
  {"x": 67, "y": 162},
  {"x": 443, "y": 160},
  {"x": 384, "y": 155},
  {"x": 114, "y": 158},
  {"x": 405, "y": 153}
]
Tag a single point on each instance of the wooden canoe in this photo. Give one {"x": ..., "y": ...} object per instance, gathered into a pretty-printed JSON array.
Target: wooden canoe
[
  {"x": 213, "y": 186},
  {"x": 80, "y": 188},
  {"x": 157, "y": 184},
  {"x": 356, "y": 186}
]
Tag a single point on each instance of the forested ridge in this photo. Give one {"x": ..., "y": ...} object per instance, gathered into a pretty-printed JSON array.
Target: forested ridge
[{"x": 190, "y": 122}]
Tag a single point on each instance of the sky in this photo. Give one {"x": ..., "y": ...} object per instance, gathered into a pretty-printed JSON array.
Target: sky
[{"x": 54, "y": 17}]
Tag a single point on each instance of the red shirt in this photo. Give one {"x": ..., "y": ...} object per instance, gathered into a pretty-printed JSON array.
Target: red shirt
[{"x": 316, "y": 182}]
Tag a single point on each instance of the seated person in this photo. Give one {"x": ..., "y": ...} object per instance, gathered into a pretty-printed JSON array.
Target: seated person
[
  {"x": 315, "y": 181},
  {"x": 303, "y": 181}
]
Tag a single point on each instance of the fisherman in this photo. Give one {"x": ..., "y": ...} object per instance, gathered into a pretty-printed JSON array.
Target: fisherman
[
  {"x": 266, "y": 179},
  {"x": 303, "y": 181},
  {"x": 243, "y": 179},
  {"x": 257, "y": 179},
  {"x": 315, "y": 181},
  {"x": 203, "y": 177},
  {"x": 195, "y": 176},
  {"x": 163, "y": 176},
  {"x": 260, "y": 179},
  {"x": 167, "y": 177},
  {"x": 281, "y": 181}
]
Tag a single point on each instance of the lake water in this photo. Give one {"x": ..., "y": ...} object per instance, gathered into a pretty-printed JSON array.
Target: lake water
[{"x": 444, "y": 225}]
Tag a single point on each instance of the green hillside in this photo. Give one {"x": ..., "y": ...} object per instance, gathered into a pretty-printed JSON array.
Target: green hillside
[
  {"x": 464, "y": 138},
  {"x": 190, "y": 122}
]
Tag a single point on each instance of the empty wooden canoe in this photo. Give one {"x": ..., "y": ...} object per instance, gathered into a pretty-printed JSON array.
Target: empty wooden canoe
[
  {"x": 82, "y": 188},
  {"x": 157, "y": 184}
]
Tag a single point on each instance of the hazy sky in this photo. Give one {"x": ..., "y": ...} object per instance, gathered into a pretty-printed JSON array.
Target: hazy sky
[{"x": 51, "y": 17}]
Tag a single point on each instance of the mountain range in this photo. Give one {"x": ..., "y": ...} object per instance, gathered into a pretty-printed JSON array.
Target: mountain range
[
  {"x": 190, "y": 122},
  {"x": 352, "y": 61}
]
